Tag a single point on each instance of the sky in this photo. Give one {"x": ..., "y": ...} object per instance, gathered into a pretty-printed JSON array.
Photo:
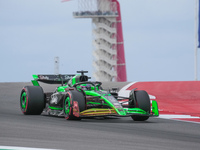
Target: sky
[{"x": 159, "y": 39}]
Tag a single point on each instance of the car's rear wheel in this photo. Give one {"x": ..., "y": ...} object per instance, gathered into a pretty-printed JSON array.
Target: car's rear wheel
[
  {"x": 143, "y": 102},
  {"x": 74, "y": 103},
  {"x": 32, "y": 100}
]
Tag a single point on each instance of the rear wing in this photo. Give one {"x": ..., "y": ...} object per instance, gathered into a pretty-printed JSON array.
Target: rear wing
[{"x": 52, "y": 79}]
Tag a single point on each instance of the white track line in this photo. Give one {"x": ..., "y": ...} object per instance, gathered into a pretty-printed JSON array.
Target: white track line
[
  {"x": 177, "y": 116},
  {"x": 22, "y": 148},
  {"x": 125, "y": 93}
]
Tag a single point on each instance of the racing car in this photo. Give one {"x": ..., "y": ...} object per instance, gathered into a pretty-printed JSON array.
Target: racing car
[{"x": 76, "y": 98}]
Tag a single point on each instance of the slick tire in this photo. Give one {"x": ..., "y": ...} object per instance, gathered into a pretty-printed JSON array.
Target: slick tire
[
  {"x": 74, "y": 103},
  {"x": 142, "y": 102},
  {"x": 32, "y": 100}
]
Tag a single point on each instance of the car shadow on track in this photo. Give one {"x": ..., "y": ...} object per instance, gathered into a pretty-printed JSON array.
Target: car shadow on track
[
  {"x": 108, "y": 119},
  {"x": 114, "y": 120}
]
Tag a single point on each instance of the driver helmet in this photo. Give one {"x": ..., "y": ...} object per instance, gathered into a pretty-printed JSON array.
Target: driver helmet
[{"x": 86, "y": 87}]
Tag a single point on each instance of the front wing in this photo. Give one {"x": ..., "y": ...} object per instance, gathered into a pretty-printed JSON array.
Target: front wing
[{"x": 121, "y": 112}]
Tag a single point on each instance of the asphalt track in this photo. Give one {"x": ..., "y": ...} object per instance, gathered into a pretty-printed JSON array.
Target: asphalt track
[{"x": 42, "y": 131}]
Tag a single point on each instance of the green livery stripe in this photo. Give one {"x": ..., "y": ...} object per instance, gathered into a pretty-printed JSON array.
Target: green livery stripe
[
  {"x": 35, "y": 77},
  {"x": 155, "y": 108},
  {"x": 55, "y": 108},
  {"x": 35, "y": 82},
  {"x": 135, "y": 111}
]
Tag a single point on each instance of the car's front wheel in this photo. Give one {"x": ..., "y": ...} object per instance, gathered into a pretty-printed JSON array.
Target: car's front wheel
[
  {"x": 143, "y": 102},
  {"x": 74, "y": 103}
]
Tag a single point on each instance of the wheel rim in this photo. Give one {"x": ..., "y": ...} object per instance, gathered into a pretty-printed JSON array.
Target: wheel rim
[
  {"x": 67, "y": 105},
  {"x": 23, "y": 100}
]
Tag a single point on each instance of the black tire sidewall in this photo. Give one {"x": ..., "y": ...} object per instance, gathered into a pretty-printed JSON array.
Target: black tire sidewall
[
  {"x": 74, "y": 96},
  {"x": 35, "y": 100},
  {"x": 142, "y": 102}
]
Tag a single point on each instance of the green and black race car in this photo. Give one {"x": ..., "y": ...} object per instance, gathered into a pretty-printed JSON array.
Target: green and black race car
[{"x": 79, "y": 98}]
